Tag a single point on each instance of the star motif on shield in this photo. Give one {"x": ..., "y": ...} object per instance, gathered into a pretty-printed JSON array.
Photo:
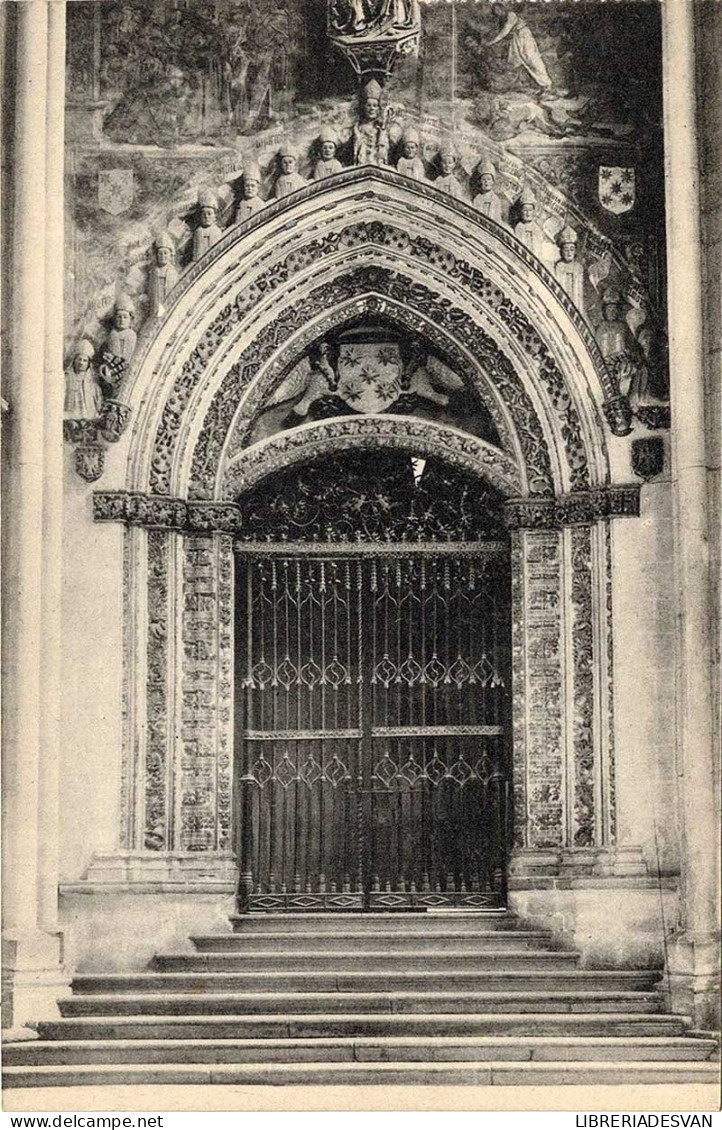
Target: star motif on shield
[
  {"x": 617, "y": 188},
  {"x": 369, "y": 375}
]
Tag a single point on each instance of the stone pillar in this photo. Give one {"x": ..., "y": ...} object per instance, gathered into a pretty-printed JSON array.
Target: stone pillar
[
  {"x": 53, "y": 393},
  {"x": 693, "y": 956},
  {"x": 31, "y": 970}
]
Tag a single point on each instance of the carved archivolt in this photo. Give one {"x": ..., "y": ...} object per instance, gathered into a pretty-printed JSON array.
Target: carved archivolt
[
  {"x": 260, "y": 367},
  {"x": 402, "y": 433}
]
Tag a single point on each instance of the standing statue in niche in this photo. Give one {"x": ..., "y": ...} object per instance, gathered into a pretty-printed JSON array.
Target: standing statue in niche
[
  {"x": 328, "y": 164},
  {"x": 289, "y": 179},
  {"x": 447, "y": 180},
  {"x": 568, "y": 270},
  {"x": 208, "y": 232},
  {"x": 370, "y": 139},
  {"x": 251, "y": 202},
  {"x": 528, "y": 231},
  {"x": 83, "y": 395},
  {"x": 487, "y": 200},
  {"x": 410, "y": 163},
  {"x": 524, "y": 54},
  {"x": 163, "y": 274}
]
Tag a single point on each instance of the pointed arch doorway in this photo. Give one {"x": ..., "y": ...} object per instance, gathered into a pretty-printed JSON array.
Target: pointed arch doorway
[{"x": 372, "y": 687}]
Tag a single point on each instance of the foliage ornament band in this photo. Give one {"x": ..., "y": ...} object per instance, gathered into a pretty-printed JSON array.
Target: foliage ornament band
[{"x": 135, "y": 508}]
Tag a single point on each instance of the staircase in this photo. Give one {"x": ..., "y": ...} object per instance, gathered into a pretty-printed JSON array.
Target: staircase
[{"x": 437, "y": 998}]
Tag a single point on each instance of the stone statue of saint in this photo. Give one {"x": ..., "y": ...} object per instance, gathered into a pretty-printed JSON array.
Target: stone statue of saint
[
  {"x": 410, "y": 163},
  {"x": 370, "y": 139},
  {"x": 446, "y": 179},
  {"x": 83, "y": 395},
  {"x": 622, "y": 354},
  {"x": 568, "y": 270},
  {"x": 163, "y": 274},
  {"x": 289, "y": 179},
  {"x": 486, "y": 200},
  {"x": 328, "y": 164},
  {"x": 251, "y": 202},
  {"x": 528, "y": 231},
  {"x": 208, "y": 232},
  {"x": 122, "y": 338}
]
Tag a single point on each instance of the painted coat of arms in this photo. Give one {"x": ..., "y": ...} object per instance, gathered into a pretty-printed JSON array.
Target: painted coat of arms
[
  {"x": 115, "y": 190},
  {"x": 369, "y": 375},
  {"x": 617, "y": 188}
]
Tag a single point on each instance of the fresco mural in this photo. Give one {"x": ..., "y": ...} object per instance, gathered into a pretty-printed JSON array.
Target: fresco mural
[{"x": 187, "y": 116}]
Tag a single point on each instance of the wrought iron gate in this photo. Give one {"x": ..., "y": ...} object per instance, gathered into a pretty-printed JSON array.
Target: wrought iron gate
[{"x": 373, "y": 726}]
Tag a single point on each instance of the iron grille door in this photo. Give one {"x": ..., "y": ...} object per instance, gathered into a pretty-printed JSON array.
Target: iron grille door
[{"x": 372, "y": 725}]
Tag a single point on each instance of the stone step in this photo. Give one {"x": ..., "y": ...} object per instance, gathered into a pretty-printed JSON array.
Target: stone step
[
  {"x": 471, "y": 1073},
  {"x": 430, "y": 921},
  {"x": 239, "y": 1004},
  {"x": 373, "y": 940},
  {"x": 328, "y": 1025},
  {"x": 380, "y": 980},
  {"x": 253, "y": 961},
  {"x": 408, "y": 1049}
]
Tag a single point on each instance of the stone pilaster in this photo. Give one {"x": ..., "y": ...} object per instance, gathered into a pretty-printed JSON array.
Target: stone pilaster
[
  {"x": 31, "y": 965},
  {"x": 694, "y": 953}
]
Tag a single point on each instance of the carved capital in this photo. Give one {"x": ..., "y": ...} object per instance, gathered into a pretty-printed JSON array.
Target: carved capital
[
  {"x": 656, "y": 417},
  {"x": 164, "y": 513},
  {"x": 114, "y": 420},
  {"x": 579, "y": 508}
]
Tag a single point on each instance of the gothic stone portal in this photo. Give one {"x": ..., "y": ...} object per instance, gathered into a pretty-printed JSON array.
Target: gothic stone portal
[{"x": 373, "y": 688}]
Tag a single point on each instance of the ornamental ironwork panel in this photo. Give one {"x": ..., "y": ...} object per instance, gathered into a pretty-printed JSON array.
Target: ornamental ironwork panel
[
  {"x": 372, "y": 723},
  {"x": 378, "y": 497}
]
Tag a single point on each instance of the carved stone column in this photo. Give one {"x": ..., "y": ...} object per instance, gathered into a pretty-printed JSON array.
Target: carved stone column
[
  {"x": 31, "y": 972},
  {"x": 694, "y": 955}
]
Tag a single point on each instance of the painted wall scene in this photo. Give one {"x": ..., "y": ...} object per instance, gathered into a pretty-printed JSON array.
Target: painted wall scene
[{"x": 189, "y": 119}]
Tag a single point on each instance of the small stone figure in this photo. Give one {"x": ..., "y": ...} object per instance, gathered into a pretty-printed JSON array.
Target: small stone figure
[
  {"x": 620, "y": 351},
  {"x": 329, "y": 162},
  {"x": 208, "y": 232},
  {"x": 289, "y": 179},
  {"x": 568, "y": 270},
  {"x": 163, "y": 275},
  {"x": 486, "y": 200},
  {"x": 528, "y": 231},
  {"x": 410, "y": 163},
  {"x": 446, "y": 180},
  {"x": 251, "y": 202},
  {"x": 83, "y": 395},
  {"x": 122, "y": 338},
  {"x": 370, "y": 139}
]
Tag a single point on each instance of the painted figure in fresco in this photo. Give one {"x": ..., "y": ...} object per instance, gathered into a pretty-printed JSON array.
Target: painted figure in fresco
[
  {"x": 122, "y": 338},
  {"x": 163, "y": 274},
  {"x": 486, "y": 200},
  {"x": 328, "y": 163},
  {"x": 208, "y": 232},
  {"x": 528, "y": 231},
  {"x": 83, "y": 395},
  {"x": 251, "y": 202},
  {"x": 622, "y": 354},
  {"x": 446, "y": 180},
  {"x": 410, "y": 163},
  {"x": 370, "y": 139},
  {"x": 289, "y": 179},
  {"x": 568, "y": 270},
  {"x": 368, "y": 19},
  {"x": 524, "y": 54}
]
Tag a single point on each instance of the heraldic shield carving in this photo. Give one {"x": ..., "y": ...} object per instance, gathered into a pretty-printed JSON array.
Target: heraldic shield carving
[{"x": 369, "y": 375}]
